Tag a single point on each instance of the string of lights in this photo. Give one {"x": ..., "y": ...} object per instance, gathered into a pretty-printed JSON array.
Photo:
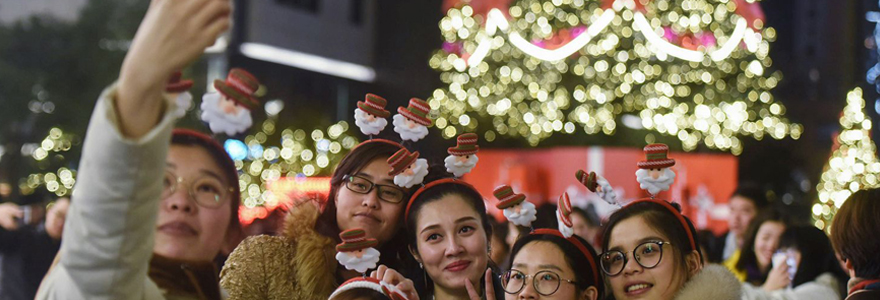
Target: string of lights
[
  {"x": 693, "y": 69},
  {"x": 853, "y": 164}
]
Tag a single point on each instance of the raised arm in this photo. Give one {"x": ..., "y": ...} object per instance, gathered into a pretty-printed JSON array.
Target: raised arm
[{"x": 108, "y": 237}]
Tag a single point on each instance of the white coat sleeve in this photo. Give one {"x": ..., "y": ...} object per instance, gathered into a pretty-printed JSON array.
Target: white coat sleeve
[{"x": 108, "y": 235}]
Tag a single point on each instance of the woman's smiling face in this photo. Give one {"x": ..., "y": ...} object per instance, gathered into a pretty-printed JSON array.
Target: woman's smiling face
[
  {"x": 451, "y": 242},
  {"x": 661, "y": 282}
]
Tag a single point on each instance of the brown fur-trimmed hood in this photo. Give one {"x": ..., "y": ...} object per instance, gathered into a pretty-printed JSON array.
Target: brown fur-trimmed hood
[{"x": 314, "y": 262}]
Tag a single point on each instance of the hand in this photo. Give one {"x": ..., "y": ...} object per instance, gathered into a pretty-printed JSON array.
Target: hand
[
  {"x": 490, "y": 289},
  {"x": 9, "y": 215},
  {"x": 172, "y": 34},
  {"x": 778, "y": 278},
  {"x": 394, "y": 278}
]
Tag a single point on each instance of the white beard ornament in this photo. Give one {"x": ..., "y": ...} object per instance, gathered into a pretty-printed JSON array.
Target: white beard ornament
[
  {"x": 370, "y": 115},
  {"x": 654, "y": 174},
  {"x": 228, "y": 110},
  {"x": 515, "y": 207},
  {"x": 563, "y": 215},
  {"x": 412, "y": 122},
  {"x": 407, "y": 168},
  {"x": 463, "y": 157},
  {"x": 356, "y": 251},
  {"x": 184, "y": 102},
  {"x": 177, "y": 90},
  {"x": 597, "y": 184},
  {"x": 223, "y": 115}
]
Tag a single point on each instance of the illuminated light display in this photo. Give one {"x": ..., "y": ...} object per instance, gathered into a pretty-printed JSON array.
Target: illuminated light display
[
  {"x": 853, "y": 165},
  {"x": 693, "y": 69}
]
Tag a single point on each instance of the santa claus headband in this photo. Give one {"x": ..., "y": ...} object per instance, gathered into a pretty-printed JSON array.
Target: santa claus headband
[
  {"x": 580, "y": 246},
  {"x": 681, "y": 218},
  {"x": 378, "y": 141},
  {"x": 370, "y": 283},
  {"x": 429, "y": 186}
]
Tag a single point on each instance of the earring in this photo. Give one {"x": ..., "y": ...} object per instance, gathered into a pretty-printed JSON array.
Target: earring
[{"x": 421, "y": 266}]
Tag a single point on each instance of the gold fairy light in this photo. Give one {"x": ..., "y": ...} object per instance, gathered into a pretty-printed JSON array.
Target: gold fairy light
[
  {"x": 693, "y": 69},
  {"x": 272, "y": 154},
  {"x": 59, "y": 182},
  {"x": 852, "y": 166}
]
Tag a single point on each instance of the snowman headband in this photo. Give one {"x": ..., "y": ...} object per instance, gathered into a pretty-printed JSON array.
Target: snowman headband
[
  {"x": 370, "y": 283},
  {"x": 681, "y": 218},
  {"x": 429, "y": 186},
  {"x": 580, "y": 246}
]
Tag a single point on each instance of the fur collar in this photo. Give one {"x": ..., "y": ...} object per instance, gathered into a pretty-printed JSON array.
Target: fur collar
[
  {"x": 314, "y": 263},
  {"x": 713, "y": 282}
]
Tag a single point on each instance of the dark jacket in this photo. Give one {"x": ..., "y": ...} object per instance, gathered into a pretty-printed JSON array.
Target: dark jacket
[
  {"x": 25, "y": 257},
  {"x": 869, "y": 291}
]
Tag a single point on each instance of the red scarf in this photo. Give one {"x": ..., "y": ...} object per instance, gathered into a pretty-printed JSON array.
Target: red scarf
[{"x": 862, "y": 285}]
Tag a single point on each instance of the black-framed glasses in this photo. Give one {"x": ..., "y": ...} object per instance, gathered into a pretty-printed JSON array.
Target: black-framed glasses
[
  {"x": 207, "y": 191},
  {"x": 647, "y": 255},
  {"x": 545, "y": 282},
  {"x": 360, "y": 185}
]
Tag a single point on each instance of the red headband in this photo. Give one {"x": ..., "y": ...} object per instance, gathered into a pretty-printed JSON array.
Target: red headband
[
  {"x": 577, "y": 244},
  {"x": 379, "y": 141},
  {"x": 677, "y": 215},
  {"x": 428, "y": 186}
]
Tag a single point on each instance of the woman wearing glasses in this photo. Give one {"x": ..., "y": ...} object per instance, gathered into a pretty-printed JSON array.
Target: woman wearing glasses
[
  {"x": 448, "y": 234},
  {"x": 546, "y": 265},
  {"x": 300, "y": 263},
  {"x": 651, "y": 252},
  {"x": 128, "y": 236}
]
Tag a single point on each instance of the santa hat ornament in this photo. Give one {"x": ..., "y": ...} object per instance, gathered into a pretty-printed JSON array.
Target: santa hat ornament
[
  {"x": 228, "y": 110},
  {"x": 654, "y": 174},
  {"x": 656, "y": 157},
  {"x": 515, "y": 207},
  {"x": 370, "y": 115},
  {"x": 463, "y": 157},
  {"x": 599, "y": 185},
  {"x": 356, "y": 251},
  {"x": 412, "y": 122},
  {"x": 179, "y": 89},
  {"x": 407, "y": 168},
  {"x": 563, "y": 215},
  {"x": 352, "y": 286}
]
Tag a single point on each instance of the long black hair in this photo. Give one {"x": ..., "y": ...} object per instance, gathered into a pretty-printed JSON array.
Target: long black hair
[
  {"x": 353, "y": 162},
  {"x": 817, "y": 255},
  {"x": 662, "y": 219},
  {"x": 748, "y": 260}
]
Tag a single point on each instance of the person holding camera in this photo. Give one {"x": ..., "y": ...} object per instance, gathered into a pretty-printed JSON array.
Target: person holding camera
[{"x": 28, "y": 246}]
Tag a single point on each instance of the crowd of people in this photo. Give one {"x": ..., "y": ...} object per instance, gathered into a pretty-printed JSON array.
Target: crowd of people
[{"x": 155, "y": 208}]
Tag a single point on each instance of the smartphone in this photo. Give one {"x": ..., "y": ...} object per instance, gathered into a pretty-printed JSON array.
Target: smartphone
[{"x": 26, "y": 216}]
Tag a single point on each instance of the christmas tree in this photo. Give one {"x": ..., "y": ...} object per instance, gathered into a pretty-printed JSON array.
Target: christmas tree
[
  {"x": 694, "y": 69},
  {"x": 853, "y": 164}
]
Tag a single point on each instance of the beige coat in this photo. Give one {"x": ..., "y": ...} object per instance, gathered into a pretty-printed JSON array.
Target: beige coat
[
  {"x": 108, "y": 237},
  {"x": 714, "y": 282}
]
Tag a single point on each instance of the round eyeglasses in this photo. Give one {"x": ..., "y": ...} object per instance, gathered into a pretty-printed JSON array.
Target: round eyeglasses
[
  {"x": 647, "y": 255},
  {"x": 207, "y": 191},
  {"x": 545, "y": 282},
  {"x": 361, "y": 185}
]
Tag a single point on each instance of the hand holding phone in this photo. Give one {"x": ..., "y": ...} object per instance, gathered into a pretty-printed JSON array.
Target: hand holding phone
[{"x": 10, "y": 214}]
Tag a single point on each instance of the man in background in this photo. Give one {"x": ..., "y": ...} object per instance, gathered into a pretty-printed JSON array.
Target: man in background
[{"x": 28, "y": 246}]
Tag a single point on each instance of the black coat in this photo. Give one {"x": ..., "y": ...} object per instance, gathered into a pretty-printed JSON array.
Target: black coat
[{"x": 25, "y": 257}]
